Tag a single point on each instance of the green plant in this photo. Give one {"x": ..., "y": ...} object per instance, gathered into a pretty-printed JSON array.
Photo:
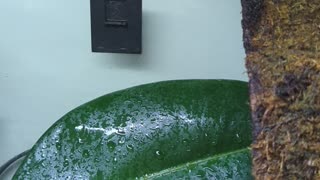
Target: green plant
[{"x": 166, "y": 130}]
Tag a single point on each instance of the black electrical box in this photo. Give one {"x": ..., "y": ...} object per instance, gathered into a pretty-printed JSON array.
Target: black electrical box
[{"x": 116, "y": 26}]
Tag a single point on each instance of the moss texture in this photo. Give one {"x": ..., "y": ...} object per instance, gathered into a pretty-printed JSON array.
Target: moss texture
[{"x": 282, "y": 41}]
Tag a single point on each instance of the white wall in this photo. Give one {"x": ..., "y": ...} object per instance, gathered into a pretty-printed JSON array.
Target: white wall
[{"x": 47, "y": 68}]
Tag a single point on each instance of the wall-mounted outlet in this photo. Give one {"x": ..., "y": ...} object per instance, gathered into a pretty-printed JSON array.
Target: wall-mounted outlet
[{"x": 116, "y": 26}]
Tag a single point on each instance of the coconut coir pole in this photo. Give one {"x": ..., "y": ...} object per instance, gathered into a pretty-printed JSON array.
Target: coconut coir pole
[{"x": 282, "y": 42}]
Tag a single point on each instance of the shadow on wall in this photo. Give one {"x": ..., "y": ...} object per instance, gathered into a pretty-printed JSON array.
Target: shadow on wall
[
  {"x": 2, "y": 132},
  {"x": 137, "y": 61}
]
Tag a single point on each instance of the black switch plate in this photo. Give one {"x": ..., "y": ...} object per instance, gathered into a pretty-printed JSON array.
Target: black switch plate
[{"x": 116, "y": 26}]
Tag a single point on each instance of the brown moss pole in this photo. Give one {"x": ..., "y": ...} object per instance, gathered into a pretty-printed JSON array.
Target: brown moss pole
[{"x": 282, "y": 42}]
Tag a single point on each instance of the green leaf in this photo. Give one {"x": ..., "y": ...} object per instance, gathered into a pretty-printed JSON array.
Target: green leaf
[
  {"x": 168, "y": 130},
  {"x": 233, "y": 165}
]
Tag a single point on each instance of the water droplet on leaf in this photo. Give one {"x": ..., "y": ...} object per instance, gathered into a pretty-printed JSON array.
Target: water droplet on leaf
[
  {"x": 158, "y": 153},
  {"x": 66, "y": 163},
  {"x": 121, "y": 132},
  {"x": 85, "y": 154},
  {"x": 185, "y": 141},
  {"x": 122, "y": 140},
  {"x": 111, "y": 146},
  {"x": 130, "y": 148},
  {"x": 148, "y": 136}
]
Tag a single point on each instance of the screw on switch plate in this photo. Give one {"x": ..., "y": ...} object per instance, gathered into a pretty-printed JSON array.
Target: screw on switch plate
[{"x": 116, "y": 26}]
